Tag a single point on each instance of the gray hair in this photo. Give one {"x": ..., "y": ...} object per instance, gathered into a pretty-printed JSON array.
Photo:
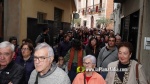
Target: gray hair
[
  {"x": 5, "y": 44},
  {"x": 118, "y": 37},
  {"x": 93, "y": 59},
  {"x": 45, "y": 45}
]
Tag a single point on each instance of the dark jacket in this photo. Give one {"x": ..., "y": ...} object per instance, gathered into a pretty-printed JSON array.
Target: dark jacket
[
  {"x": 12, "y": 73},
  {"x": 90, "y": 51},
  {"x": 43, "y": 38},
  {"x": 63, "y": 48},
  {"x": 28, "y": 67},
  {"x": 59, "y": 38}
]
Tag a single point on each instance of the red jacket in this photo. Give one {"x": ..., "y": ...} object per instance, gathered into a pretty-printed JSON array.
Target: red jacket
[{"x": 95, "y": 79}]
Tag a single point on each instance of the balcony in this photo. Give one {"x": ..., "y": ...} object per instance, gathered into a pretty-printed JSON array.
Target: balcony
[{"x": 119, "y": 1}]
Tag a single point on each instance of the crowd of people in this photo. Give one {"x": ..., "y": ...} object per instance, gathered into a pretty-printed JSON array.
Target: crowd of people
[{"x": 80, "y": 56}]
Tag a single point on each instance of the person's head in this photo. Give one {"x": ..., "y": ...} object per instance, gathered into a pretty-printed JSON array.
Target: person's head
[
  {"x": 80, "y": 33},
  {"x": 93, "y": 42},
  {"x": 45, "y": 29},
  {"x": 61, "y": 60},
  {"x": 23, "y": 41},
  {"x": 60, "y": 31},
  {"x": 66, "y": 38},
  {"x": 6, "y": 53},
  {"x": 43, "y": 57},
  {"x": 111, "y": 41},
  {"x": 69, "y": 33},
  {"x": 95, "y": 31},
  {"x": 27, "y": 41},
  {"x": 89, "y": 61},
  {"x": 106, "y": 38},
  {"x": 125, "y": 52},
  {"x": 111, "y": 33},
  {"x": 118, "y": 40},
  {"x": 103, "y": 31},
  {"x": 98, "y": 36},
  {"x": 27, "y": 50},
  {"x": 13, "y": 40},
  {"x": 76, "y": 44}
]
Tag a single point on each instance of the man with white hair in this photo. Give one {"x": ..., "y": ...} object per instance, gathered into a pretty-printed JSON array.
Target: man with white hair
[
  {"x": 10, "y": 72},
  {"x": 118, "y": 40},
  {"x": 45, "y": 71},
  {"x": 89, "y": 76}
]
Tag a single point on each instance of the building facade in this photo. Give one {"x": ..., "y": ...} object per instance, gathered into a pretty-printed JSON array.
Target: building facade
[
  {"x": 92, "y": 10},
  {"x": 134, "y": 27},
  {"x": 25, "y": 18}
]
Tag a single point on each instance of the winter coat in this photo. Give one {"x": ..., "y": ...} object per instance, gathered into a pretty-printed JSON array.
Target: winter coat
[
  {"x": 28, "y": 67},
  {"x": 12, "y": 73},
  {"x": 95, "y": 79},
  {"x": 43, "y": 38},
  {"x": 90, "y": 51},
  {"x": 132, "y": 74}
]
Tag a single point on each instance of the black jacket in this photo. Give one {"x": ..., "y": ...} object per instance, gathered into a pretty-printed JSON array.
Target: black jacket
[
  {"x": 43, "y": 38},
  {"x": 12, "y": 73},
  {"x": 63, "y": 48},
  {"x": 90, "y": 51}
]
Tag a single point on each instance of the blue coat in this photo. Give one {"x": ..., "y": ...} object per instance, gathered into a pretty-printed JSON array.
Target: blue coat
[{"x": 28, "y": 66}]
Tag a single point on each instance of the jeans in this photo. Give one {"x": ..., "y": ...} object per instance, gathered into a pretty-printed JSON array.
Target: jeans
[
  {"x": 72, "y": 73},
  {"x": 104, "y": 74}
]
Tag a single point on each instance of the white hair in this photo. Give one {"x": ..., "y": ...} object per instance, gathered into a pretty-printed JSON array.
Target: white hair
[
  {"x": 45, "y": 45},
  {"x": 118, "y": 37},
  {"x": 93, "y": 59},
  {"x": 5, "y": 44}
]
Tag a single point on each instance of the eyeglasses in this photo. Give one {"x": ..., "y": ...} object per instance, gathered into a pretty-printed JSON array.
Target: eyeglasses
[
  {"x": 5, "y": 54},
  {"x": 41, "y": 59},
  {"x": 24, "y": 49},
  {"x": 87, "y": 63}
]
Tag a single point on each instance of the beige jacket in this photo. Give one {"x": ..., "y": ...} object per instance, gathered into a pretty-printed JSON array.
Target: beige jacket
[{"x": 132, "y": 74}]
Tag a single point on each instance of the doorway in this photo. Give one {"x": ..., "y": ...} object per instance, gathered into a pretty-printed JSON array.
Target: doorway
[
  {"x": 92, "y": 22},
  {"x": 129, "y": 30},
  {"x": 1, "y": 20}
]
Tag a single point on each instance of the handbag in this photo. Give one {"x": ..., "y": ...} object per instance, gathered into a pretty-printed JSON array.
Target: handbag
[{"x": 137, "y": 73}]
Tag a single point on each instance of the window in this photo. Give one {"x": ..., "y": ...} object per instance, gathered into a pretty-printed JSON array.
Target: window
[
  {"x": 41, "y": 17},
  {"x": 84, "y": 23}
]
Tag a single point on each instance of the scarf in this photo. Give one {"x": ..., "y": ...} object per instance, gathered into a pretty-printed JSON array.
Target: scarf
[{"x": 79, "y": 57}]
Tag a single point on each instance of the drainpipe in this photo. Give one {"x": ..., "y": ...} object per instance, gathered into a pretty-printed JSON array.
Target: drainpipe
[
  {"x": 86, "y": 7},
  {"x": 140, "y": 38},
  {"x": 93, "y": 5}
]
